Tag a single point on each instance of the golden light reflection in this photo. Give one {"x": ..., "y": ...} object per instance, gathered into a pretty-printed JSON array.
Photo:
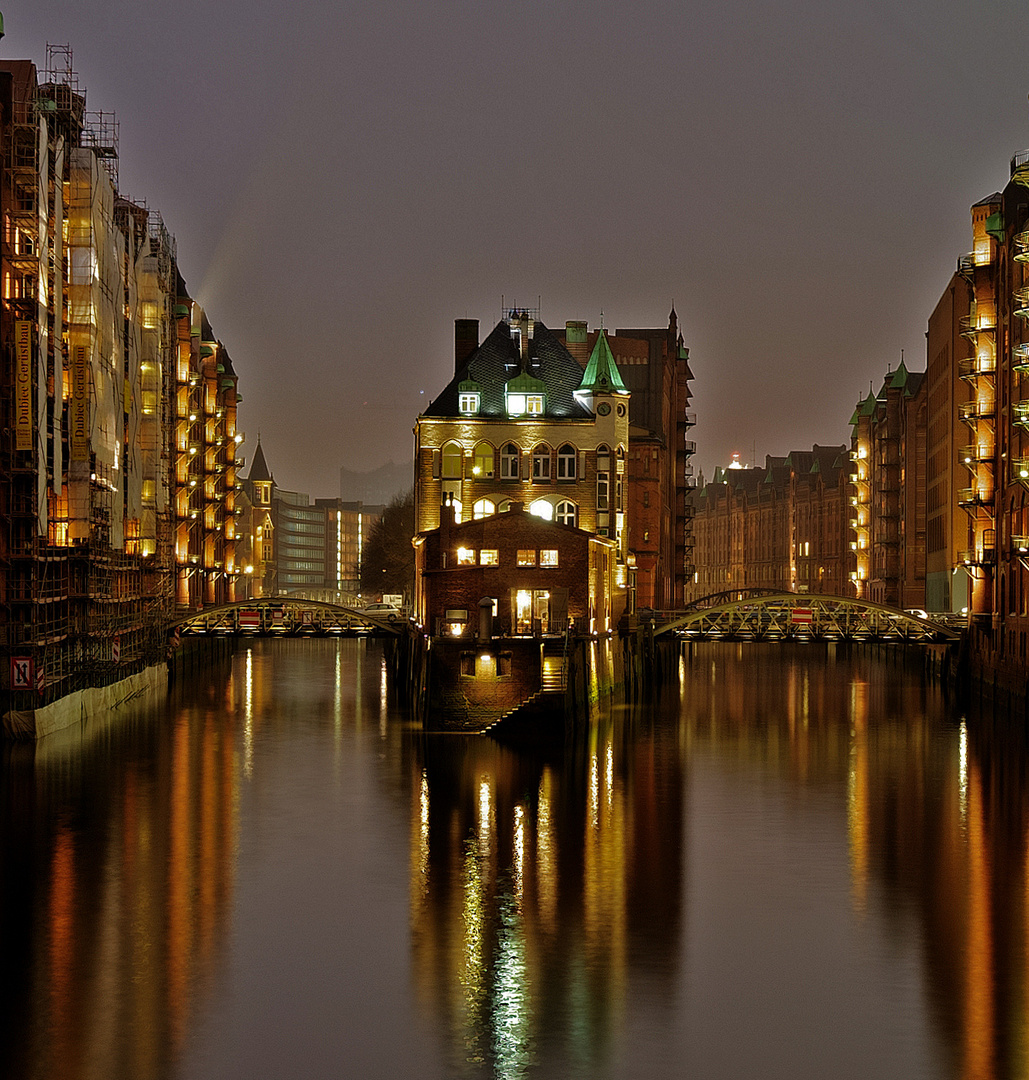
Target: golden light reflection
[
  {"x": 485, "y": 818},
  {"x": 963, "y": 774},
  {"x": 248, "y": 715},
  {"x": 518, "y": 871},
  {"x": 979, "y": 1017},
  {"x": 472, "y": 974},
  {"x": 383, "y": 689},
  {"x": 546, "y": 855},
  {"x": 859, "y": 797}
]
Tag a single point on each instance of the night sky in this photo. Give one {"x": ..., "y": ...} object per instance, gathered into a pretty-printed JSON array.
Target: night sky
[{"x": 344, "y": 180}]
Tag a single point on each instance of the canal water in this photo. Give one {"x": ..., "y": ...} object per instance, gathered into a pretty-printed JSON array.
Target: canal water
[{"x": 792, "y": 862}]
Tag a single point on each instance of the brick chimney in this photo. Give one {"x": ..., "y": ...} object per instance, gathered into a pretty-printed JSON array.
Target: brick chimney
[
  {"x": 577, "y": 342},
  {"x": 466, "y": 341}
]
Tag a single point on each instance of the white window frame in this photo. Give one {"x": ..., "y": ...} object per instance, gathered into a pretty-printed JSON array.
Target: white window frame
[
  {"x": 509, "y": 462},
  {"x": 566, "y": 456}
]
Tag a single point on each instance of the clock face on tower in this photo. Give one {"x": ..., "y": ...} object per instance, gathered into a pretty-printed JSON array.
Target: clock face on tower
[{"x": 603, "y": 409}]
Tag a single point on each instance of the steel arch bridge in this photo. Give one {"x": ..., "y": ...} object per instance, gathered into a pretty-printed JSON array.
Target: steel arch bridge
[
  {"x": 285, "y": 616},
  {"x": 765, "y": 615}
]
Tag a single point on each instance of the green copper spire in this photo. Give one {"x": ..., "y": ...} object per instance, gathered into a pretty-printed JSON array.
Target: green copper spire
[{"x": 601, "y": 372}]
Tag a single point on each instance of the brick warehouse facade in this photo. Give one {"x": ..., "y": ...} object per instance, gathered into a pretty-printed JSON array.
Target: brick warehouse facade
[{"x": 541, "y": 576}]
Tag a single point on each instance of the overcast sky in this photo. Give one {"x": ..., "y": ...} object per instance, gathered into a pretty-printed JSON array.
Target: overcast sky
[{"x": 344, "y": 180}]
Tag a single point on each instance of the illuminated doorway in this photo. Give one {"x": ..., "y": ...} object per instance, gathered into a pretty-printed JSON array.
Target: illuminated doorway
[{"x": 532, "y": 611}]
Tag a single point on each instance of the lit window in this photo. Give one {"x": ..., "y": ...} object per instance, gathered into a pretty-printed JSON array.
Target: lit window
[
  {"x": 526, "y": 558},
  {"x": 483, "y": 508},
  {"x": 603, "y": 490},
  {"x": 566, "y": 462},
  {"x": 534, "y": 404},
  {"x": 489, "y": 557},
  {"x": 468, "y": 403},
  {"x": 515, "y": 404},
  {"x": 509, "y": 462},
  {"x": 548, "y": 557},
  {"x": 465, "y": 557},
  {"x": 542, "y": 509},
  {"x": 483, "y": 463},
  {"x": 567, "y": 513},
  {"x": 452, "y": 461}
]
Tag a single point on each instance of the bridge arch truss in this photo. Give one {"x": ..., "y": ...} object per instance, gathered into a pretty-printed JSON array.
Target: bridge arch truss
[
  {"x": 783, "y": 616},
  {"x": 285, "y": 616}
]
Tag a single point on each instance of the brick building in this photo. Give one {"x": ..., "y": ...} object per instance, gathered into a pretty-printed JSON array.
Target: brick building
[
  {"x": 522, "y": 422},
  {"x": 540, "y": 575},
  {"x": 888, "y": 445},
  {"x": 780, "y": 526}
]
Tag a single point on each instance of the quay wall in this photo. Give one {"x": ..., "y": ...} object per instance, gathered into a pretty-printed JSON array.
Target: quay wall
[{"x": 144, "y": 687}]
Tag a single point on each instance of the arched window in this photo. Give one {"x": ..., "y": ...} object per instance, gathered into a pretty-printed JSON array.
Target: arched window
[
  {"x": 452, "y": 461},
  {"x": 483, "y": 508},
  {"x": 509, "y": 462},
  {"x": 566, "y": 462},
  {"x": 482, "y": 466},
  {"x": 567, "y": 513},
  {"x": 541, "y": 462},
  {"x": 603, "y": 477},
  {"x": 542, "y": 509},
  {"x": 456, "y": 503}
]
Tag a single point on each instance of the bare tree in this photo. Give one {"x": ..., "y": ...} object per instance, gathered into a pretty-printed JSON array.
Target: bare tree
[{"x": 387, "y": 565}]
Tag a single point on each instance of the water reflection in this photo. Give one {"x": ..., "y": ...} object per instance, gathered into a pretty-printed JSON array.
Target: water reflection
[
  {"x": 787, "y": 863},
  {"x": 541, "y": 880}
]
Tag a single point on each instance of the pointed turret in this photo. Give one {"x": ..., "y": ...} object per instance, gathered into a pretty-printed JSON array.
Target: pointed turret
[
  {"x": 601, "y": 374},
  {"x": 259, "y": 471}
]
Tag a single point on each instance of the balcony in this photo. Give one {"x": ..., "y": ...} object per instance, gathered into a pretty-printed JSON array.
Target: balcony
[
  {"x": 976, "y": 323},
  {"x": 1020, "y": 413},
  {"x": 976, "y": 453},
  {"x": 1020, "y": 302},
  {"x": 975, "y": 497},
  {"x": 977, "y": 557},
  {"x": 977, "y": 410},
  {"x": 1020, "y": 470},
  {"x": 966, "y": 266},
  {"x": 974, "y": 367},
  {"x": 1020, "y": 168},
  {"x": 1020, "y": 246}
]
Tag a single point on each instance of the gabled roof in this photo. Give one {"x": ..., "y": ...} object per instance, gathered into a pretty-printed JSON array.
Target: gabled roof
[
  {"x": 602, "y": 372},
  {"x": 497, "y": 361}
]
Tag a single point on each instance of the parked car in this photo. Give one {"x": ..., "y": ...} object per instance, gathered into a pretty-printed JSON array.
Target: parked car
[{"x": 381, "y": 611}]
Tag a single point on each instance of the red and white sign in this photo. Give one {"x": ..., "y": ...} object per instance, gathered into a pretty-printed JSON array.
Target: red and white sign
[
  {"x": 21, "y": 672},
  {"x": 40, "y": 679},
  {"x": 116, "y": 648},
  {"x": 249, "y": 619},
  {"x": 801, "y": 615}
]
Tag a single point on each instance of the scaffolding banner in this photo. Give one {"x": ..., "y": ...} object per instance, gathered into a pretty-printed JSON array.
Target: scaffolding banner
[
  {"x": 23, "y": 385},
  {"x": 79, "y": 419}
]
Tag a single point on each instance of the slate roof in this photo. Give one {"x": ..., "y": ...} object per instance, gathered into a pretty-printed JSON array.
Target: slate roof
[
  {"x": 496, "y": 361},
  {"x": 258, "y": 466}
]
